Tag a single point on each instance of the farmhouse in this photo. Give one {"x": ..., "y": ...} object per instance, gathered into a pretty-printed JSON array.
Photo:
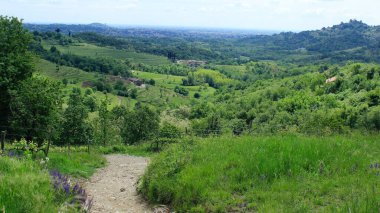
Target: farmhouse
[
  {"x": 136, "y": 81},
  {"x": 331, "y": 80},
  {"x": 192, "y": 63}
]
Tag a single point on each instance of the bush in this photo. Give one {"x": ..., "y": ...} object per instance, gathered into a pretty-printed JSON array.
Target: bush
[
  {"x": 372, "y": 119},
  {"x": 238, "y": 126},
  {"x": 181, "y": 90},
  {"x": 212, "y": 125},
  {"x": 168, "y": 133}
]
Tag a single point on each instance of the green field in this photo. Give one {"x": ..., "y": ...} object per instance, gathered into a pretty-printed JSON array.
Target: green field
[
  {"x": 90, "y": 50},
  {"x": 70, "y": 73},
  {"x": 218, "y": 77},
  {"x": 171, "y": 81},
  {"x": 268, "y": 174},
  {"x": 234, "y": 71},
  {"x": 76, "y": 77}
]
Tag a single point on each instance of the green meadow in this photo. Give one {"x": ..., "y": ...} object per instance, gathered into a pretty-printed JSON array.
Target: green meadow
[
  {"x": 93, "y": 51},
  {"x": 268, "y": 174}
]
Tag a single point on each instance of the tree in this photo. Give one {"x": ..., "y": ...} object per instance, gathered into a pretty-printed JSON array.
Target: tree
[
  {"x": 90, "y": 102},
  {"x": 197, "y": 95},
  {"x": 65, "y": 81},
  {"x": 152, "y": 82},
  {"x": 15, "y": 61},
  {"x": 36, "y": 107},
  {"x": 372, "y": 119},
  {"x": 133, "y": 93},
  {"x": 168, "y": 133},
  {"x": 104, "y": 117},
  {"x": 141, "y": 124},
  {"x": 75, "y": 130},
  {"x": 211, "y": 125}
]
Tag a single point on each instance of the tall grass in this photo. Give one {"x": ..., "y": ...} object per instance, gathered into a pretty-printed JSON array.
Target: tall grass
[
  {"x": 268, "y": 174},
  {"x": 78, "y": 164},
  {"x": 24, "y": 187}
]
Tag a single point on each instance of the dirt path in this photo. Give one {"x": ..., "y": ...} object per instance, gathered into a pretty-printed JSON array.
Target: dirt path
[{"x": 113, "y": 188}]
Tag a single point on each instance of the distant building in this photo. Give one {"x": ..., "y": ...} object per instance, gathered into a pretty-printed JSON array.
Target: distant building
[
  {"x": 330, "y": 80},
  {"x": 136, "y": 81},
  {"x": 87, "y": 84},
  {"x": 192, "y": 63}
]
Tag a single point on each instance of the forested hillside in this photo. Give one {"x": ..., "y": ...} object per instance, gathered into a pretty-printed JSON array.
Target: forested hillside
[
  {"x": 234, "y": 122},
  {"x": 354, "y": 40}
]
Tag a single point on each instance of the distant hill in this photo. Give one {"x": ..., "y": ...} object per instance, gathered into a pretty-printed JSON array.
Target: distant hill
[
  {"x": 351, "y": 41},
  {"x": 126, "y": 31},
  {"x": 339, "y": 37}
]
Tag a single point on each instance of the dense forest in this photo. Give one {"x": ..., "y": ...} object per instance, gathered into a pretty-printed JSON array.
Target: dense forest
[{"x": 230, "y": 119}]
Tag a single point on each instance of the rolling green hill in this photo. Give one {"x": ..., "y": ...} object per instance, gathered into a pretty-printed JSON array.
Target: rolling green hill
[{"x": 93, "y": 51}]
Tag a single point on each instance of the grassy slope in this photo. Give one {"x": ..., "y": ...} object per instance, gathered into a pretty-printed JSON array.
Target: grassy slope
[
  {"x": 165, "y": 85},
  {"x": 79, "y": 76},
  {"x": 218, "y": 77},
  {"x": 24, "y": 187},
  {"x": 268, "y": 174},
  {"x": 170, "y": 82},
  {"x": 90, "y": 50}
]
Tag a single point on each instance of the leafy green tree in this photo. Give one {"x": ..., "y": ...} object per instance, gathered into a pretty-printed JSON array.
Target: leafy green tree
[
  {"x": 238, "y": 126},
  {"x": 15, "y": 61},
  {"x": 211, "y": 125},
  {"x": 197, "y": 95},
  {"x": 65, "y": 81},
  {"x": 75, "y": 129},
  {"x": 202, "y": 110},
  {"x": 152, "y": 82},
  {"x": 104, "y": 120},
  {"x": 90, "y": 102},
  {"x": 36, "y": 107},
  {"x": 133, "y": 93},
  {"x": 372, "y": 119},
  {"x": 181, "y": 90},
  {"x": 169, "y": 130},
  {"x": 140, "y": 124},
  {"x": 168, "y": 133}
]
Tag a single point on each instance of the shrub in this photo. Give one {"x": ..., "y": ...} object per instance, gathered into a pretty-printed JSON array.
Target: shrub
[
  {"x": 168, "y": 133},
  {"x": 372, "y": 119}
]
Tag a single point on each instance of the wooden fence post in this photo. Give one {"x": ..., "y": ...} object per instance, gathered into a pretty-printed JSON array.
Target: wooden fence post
[
  {"x": 88, "y": 145},
  {"x": 3, "y": 134}
]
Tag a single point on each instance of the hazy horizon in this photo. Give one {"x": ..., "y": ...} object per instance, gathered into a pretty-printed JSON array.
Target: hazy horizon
[{"x": 247, "y": 15}]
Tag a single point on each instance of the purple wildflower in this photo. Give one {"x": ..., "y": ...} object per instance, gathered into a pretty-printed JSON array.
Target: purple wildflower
[
  {"x": 76, "y": 188},
  {"x": 66, "y": 188}
]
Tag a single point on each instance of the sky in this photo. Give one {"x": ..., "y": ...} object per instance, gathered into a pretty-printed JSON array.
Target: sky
[{"x": 289, "y": 15}]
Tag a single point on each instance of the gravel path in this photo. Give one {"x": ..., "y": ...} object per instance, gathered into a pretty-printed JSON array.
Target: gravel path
[{"x": 113, "y": 188}]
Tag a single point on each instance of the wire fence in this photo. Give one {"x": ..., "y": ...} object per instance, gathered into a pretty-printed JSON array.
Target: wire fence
[{"x": 7, "y": 136}]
